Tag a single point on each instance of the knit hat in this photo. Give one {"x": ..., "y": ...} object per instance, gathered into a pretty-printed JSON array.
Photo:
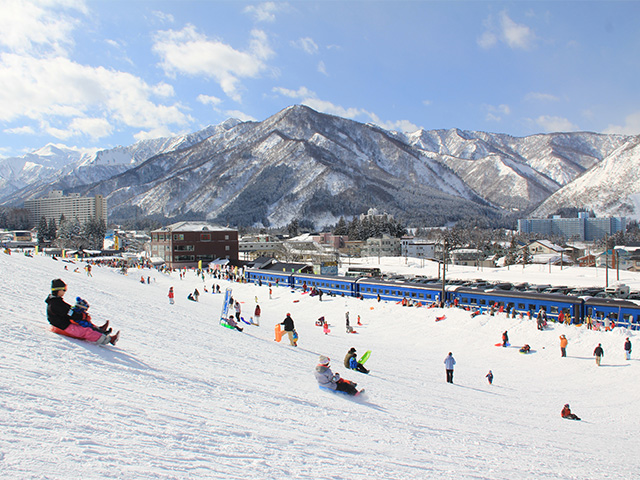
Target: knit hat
[
  {"x": 58, "y": 284},
  {"x": 323, "y": 360},
  {"x": 352, "y": 350},
  {"x": 81, "y": 304}
]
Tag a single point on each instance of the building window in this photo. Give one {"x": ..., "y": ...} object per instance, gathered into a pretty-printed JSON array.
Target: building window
[
  {"x": 178, "y": 236},
  {"x": 205, "y": 237},
  {"x": 183, "y": 248},
  {"x": 226, "y": 247},
  {"x": 184, "y": 258},
  {"x": 226, "y": 237}
]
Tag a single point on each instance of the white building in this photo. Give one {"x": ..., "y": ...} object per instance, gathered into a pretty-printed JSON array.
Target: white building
[{"x": 72, "y": 206}]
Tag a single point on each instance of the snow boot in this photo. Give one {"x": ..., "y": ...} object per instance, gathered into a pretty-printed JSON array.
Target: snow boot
[
  {"x": 114, "y": 338},
  {"x": 105, "y": 326}
]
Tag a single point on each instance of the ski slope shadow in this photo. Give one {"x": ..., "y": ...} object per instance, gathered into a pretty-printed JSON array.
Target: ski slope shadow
[{"x": 112, "y": 354}]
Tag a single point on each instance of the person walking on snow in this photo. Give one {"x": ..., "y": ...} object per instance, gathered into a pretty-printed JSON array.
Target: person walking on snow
[
  {"x": 627, "y": 348},
  {"x": 171, "y": 295},
  {"x": 256, "y": 315},
  {"x": 598, "y": 353},
  {"x": 289, "y": 327},
  {"x": 489, "y": 377},
  {"x": 505, "y": 339},
  {"x": 449, "y": 362},
  {"x": 563, "y": 345}
]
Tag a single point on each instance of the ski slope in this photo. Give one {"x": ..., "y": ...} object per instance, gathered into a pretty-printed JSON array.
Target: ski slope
[{"x": 180, "y": 397}]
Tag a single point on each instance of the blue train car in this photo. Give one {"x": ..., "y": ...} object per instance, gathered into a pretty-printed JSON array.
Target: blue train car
[
  {"x": 523, "y": 302},
  {"x": 269, "y": 276},
  {"x": 396, "y": 291},
  {"x": 624, "y": 312},
  {"x": 329, "y": 284}
]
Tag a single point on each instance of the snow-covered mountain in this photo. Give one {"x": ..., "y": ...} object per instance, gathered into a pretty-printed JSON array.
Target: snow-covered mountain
[
  {"x": 60, "y": 167},
  {"x": 610, "y": 188},
  {"x": 305, "y": 165}
]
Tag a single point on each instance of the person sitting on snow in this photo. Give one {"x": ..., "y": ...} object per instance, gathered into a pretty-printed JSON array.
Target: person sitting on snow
[
  {"x": 525, "y": 349},
  {"x": 232, "y": 323},
  {"x": 351, "y": 362},
  {"x": 566, "y": 413},
  {"x": 58, "y": 315},
  {"x": 80, "y": 316},
  {"x": 327, "y": 379}
]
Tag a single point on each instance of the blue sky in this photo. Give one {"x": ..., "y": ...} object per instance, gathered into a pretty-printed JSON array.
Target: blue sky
[{"x": 107, "y": 73}]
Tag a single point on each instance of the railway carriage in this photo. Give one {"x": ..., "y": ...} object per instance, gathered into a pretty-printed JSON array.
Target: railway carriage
[
  {"x": 331, "y": 284},
  {"x": 396, "y": 291},
  {"x": 269, "y": 276},
  {"x": 625, "y": 313}
]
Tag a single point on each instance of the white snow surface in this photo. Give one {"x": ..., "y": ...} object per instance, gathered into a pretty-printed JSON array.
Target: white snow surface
[{"x": 181, "y": 397}]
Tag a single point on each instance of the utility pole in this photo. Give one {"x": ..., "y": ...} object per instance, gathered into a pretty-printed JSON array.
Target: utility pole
[
  {"x": 444, "y": 268},
  {"x": 606, "y": 263}
]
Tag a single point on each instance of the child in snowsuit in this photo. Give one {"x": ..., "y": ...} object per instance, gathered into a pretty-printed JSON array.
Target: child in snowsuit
[
  {"x": 525, "y": 348},
  {"x": 489, "y": 377},
  {"x": 566, "y": 413},
  {"x": 351, "y": 362},
  {"x": 80, "y": 316},
  {"x": 327, "y": 379}
]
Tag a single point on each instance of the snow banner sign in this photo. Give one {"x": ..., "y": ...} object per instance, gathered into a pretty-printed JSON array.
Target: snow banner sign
[{"x": 225, "y": 306}]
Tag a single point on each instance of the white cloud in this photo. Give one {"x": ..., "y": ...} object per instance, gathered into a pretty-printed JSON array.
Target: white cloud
[
  {"x": 309, "y": 98},
  {"x": 26, "y": 130},
  {"x": 427, "y": 103},
  {"x": 540, "y": 97},
  {"x": 245, "y": 117},
  {"x": 209, "y": 100},
  {"x": 265, "y": 12},
  {"x": 57, "y": 88},
  {"x": 514, "y": 35},
  {"x": 306, "y": 44},
  {"x": 630, "y": 127},
  {"x": 162, "y": 131},
  {"x": 552, "y": 124},
  {"x": 495, "y": 113},
  {"x": 191, "y": 53},
  {"x": 322, "y": 68},
  {"x": 95, "y": 128},
  {"x": 38, "y": 27},
  {"x": 163, "y": 17}
]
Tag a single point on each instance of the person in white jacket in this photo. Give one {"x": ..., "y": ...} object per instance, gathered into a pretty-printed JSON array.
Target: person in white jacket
[
  {"x": 449, "y": 362},
  {"x": 327, "y": 379}
]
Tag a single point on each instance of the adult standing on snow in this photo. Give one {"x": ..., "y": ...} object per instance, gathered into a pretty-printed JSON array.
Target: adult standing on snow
[
  {"x": 505, "y": 338},
  {"x": 563, "y": 345},
  {"x": 449, "y": 362},
  {"x": 627, "y": 348},
  {"x": 289, "y": 327},
  {"x": 598, "y": 353},
  {"x": 256, "y": 315}
]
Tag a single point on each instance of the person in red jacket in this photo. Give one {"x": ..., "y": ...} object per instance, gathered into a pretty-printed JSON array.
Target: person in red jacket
[{"x": 566, "y": 413}]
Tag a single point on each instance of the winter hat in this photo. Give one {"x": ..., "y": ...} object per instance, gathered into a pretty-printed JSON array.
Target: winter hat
[
  {"x": 566, "y": 405},
  {"x": 58, "y": 284},
  {"x": 81, "y": 304},
  {"x": 324, "y": 360},
  {"x": 352, "y": 350}
]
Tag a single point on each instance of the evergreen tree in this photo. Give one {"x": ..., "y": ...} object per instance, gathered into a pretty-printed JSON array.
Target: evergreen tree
[
  {"x": 341, "y": 227},
  {"x": 526, "y": 256},
  {"x": 293, "y": 228},
  {"x": 52, "y": 230},
  {"x": 43, "y": 231}
]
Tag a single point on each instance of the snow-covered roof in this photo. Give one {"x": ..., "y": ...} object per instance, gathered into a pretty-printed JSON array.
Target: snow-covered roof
[{"x": 192, "y": 227}]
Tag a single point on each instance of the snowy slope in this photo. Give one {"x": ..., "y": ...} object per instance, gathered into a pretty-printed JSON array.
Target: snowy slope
[{"x": 180, "y": 397}]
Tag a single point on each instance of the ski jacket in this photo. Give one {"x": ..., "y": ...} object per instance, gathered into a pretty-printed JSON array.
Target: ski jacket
[
  {"x": 326, "y": 378},
  {"x": 58, "y": 312},
  {"x": 563, "y": 342},
  {"x": 566, "y": 412},
  {"x": 627, "y": 346},
  {"x": 598, "y": 352},
  {"x": 350, "y": 360},
  {"x": 288, "y": 324},
  {"x": 257, "y": 311},
  {"x": 449, "y": 362}
]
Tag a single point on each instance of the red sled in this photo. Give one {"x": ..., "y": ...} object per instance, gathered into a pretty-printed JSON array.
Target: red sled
[
  {"x": 63, "y": 333},
  {"x": 438, "y": 319}
]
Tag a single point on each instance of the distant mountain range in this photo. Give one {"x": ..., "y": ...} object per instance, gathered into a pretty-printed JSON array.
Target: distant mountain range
[{"x": 304, "y": 165}]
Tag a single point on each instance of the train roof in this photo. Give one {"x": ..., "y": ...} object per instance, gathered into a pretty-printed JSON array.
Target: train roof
[{"x": 517, "y": 294}]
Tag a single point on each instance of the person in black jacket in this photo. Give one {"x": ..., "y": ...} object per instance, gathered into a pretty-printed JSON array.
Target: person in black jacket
[
  {"x": 351, "y": 362},
  {"x": 598, "y": 353},
  {"x": 627, "y": 348},
  {"x": 289, "y": 327},
  {"x": 58, "y": 316}
]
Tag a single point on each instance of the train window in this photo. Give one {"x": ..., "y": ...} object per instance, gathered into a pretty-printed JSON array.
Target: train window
[
  {"x": 553, "y": 309},
  {"x": 413, "y": 294},
  {"x": 464, "y": 300},
  {"x": 386, "y": 292},
  {"x": 613, "y": 316},
  {"x": 473, "y": 301},
  {"x": 532, "y": 307},
  {"x": 421, "y": 295},
  {"x": 521, "y": 306},
  {"x": 510, "y": 305},
  {"x": 483, "y": 301},
  {"x": 429, "y": 296}
]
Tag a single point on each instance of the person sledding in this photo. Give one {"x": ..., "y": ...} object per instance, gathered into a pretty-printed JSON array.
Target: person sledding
[
  {"x": 566, "y": 413},
  {"x": 525, "y": 348},
  {"x": 58, "y": 314},
  {"x": 80, "y": 315},
  {"x": 351, "y": 362},
  {"x": 332, "y": 381}
]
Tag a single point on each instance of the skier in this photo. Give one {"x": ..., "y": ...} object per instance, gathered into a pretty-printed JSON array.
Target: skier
[
  {"x": 58, "y": 316},
  {"x": 171, "y": 295},
  {"x": 351, "y": 362},
  {"x": 449, "y": 362},
  {"x": 563, "y": 345},
  {"x": 598, "y": 353},
  {"x": 289, "y": 327},
  {"x": 327, "y": 379},
  {"x": 627, "y": 348},
  {"x": 489, "y": 377},
  {"x": 566, "y": 413}
]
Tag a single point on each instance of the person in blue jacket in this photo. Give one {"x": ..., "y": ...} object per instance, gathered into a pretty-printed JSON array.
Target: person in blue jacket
[
  {"x": 351, "y": 362},
  {"x": 449, "y": 362}
]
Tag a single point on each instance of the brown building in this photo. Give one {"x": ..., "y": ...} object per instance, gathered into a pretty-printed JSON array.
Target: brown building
[{"x": 185, "y": 244}]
